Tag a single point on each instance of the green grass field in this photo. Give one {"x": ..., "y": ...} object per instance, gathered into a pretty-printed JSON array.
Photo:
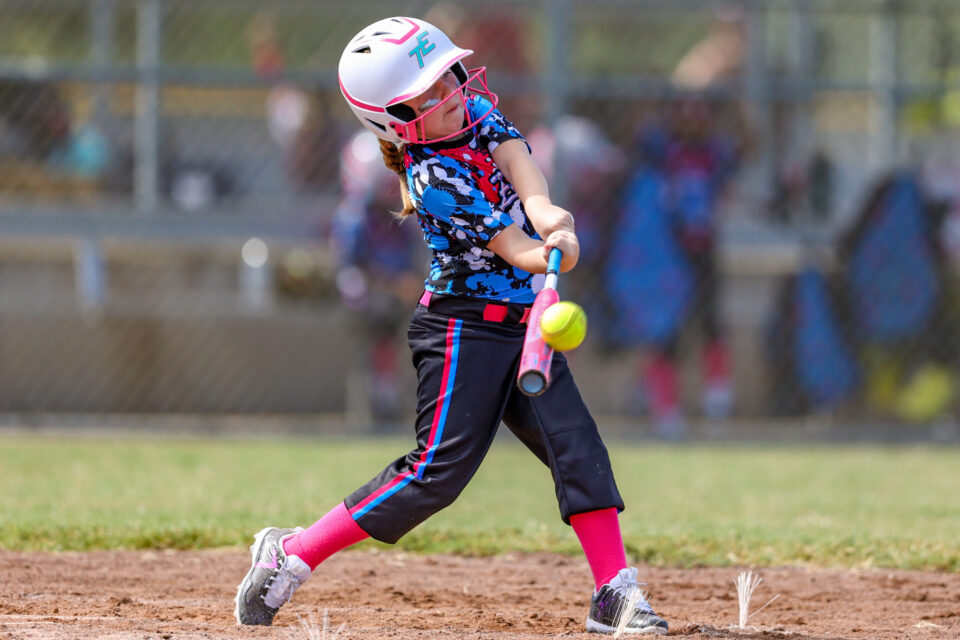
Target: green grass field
[{"x": 706, "y": 505}]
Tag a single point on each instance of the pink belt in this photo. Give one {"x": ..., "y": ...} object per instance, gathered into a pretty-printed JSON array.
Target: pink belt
[{"x": 475, "y": 308}]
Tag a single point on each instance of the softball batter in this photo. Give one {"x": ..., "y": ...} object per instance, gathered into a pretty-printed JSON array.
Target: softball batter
[{"x": 483, "y": 207}]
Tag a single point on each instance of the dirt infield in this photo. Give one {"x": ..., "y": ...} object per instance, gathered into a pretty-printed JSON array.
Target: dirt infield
[{"x": 379, "y": 595}]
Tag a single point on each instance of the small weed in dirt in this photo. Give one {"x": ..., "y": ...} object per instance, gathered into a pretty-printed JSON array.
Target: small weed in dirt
[
  {"x": 747, "y": 583},
  {"x": 311, "y": 631}
]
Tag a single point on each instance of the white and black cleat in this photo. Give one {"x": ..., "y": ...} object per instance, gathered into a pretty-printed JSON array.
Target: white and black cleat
[
  {"x": 271, "y": 580},
  {"x": 621, "y": 605}
]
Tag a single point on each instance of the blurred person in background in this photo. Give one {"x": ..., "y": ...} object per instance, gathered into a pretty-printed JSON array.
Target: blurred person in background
[
  {"x": 662, "y": 273},
  {"x": 663, "y": 266},
  {"x": 880, "y": 323},
  {"x": 299, "y": 120},
  {"x": 902, "y": 300},
  {"x": 810, "y": 350},
  {"x": 577, "y": 154},
  {"x": 48, "y": 147},
  {"x": 379, "y": 262},
  {"x": 716, "y": 58},
  {"x": 941, "y": 178}
]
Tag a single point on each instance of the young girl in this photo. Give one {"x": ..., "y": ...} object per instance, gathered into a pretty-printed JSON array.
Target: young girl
[{"x": 483, "y": 207}]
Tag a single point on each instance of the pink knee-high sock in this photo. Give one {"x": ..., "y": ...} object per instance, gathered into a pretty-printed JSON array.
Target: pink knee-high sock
[
  {"x": 335, "y": 531},
  {"x": 599, "y": 535}
]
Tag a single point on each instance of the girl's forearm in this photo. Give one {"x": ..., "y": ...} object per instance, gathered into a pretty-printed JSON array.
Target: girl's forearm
[
  {"x": 519, "y": 249},
  {"x": 522, "y": 251}
]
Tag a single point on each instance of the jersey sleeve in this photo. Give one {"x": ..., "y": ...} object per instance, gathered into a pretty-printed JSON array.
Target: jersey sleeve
[
  {"x": 494, "y": 129},
  {"x": 462, "y": 207}
]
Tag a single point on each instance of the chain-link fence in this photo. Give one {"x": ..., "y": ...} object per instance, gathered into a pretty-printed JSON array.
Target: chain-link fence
[{"x": 767, "y": 195}]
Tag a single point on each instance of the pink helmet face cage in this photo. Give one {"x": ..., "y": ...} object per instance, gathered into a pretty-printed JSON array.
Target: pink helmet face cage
[{"x": 476, "y": 84}]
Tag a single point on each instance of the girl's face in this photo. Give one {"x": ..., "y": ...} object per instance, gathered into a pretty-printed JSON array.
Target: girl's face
[{"x": 444, "y": 121}]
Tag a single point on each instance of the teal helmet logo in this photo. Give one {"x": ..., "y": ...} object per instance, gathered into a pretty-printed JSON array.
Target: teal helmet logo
[{"x": 423, "y": 47}]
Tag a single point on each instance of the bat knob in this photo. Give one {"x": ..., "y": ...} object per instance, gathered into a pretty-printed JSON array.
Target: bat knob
[{"x": 532, "y": 383}]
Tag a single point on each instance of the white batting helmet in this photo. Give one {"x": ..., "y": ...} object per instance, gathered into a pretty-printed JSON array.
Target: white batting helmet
[{"x": 394, "y": 60}]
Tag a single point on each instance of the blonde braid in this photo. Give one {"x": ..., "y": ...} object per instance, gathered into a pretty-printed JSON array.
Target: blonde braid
[{"x": 393, "y": 159}]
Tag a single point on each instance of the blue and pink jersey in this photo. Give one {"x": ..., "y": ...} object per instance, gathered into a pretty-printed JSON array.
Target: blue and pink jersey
[{"x": 463, "y": 201}]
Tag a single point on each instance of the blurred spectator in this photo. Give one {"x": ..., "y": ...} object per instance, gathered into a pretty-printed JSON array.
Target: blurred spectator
[
  {"x": 578, "y": 154},
  {"x": 805, "y": 189},
  {"x": 941, "y": 177},
  {"x": 37, "y": 118},
  {"x": 379, "y": 272},
  {"x": 311, "y": 157},
  {"x": 299, "y": 120},
  {"x": 192, "y": 184},
  {"x": 718, "y": 57},
  {"x": 810, "y": 350},
  {"x": 662, "y": 273},
  {"x": 821, "y": 182},
  {"x": 902, "y": 301},
  {"x": 882, "y": 324},
  {"x": 43, "y": 145}
]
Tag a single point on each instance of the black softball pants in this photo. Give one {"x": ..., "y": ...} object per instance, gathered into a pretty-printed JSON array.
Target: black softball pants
[{"x": 466, "y": 369}]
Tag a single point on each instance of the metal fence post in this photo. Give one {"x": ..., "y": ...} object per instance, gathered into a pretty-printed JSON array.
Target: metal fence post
[
  {"x": 147, "y": 134},
  {"x": 556, "y": 75},
  {"x": 90, "y": 275},
  {"x": 884, "y": 76},
  {"x": 102, "y": 14},
  {"x": 803, "y": 48},
  {"x": 760, "y": 116}
]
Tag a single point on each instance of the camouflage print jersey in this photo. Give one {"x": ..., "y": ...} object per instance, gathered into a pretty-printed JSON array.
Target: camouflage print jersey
[{"x": 463, "y": 201}]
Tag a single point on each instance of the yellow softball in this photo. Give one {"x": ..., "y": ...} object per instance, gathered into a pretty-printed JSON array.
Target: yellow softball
[{"x": 564, "y": 325}]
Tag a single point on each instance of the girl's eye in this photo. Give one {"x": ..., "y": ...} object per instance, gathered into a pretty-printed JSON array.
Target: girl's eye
[{"x": 428, "y": 103}]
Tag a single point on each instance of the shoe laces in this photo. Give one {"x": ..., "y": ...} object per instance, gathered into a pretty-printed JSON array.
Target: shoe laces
[
  {"x": 626, "y": 586},
  {"x": 285, "y": 581}
]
